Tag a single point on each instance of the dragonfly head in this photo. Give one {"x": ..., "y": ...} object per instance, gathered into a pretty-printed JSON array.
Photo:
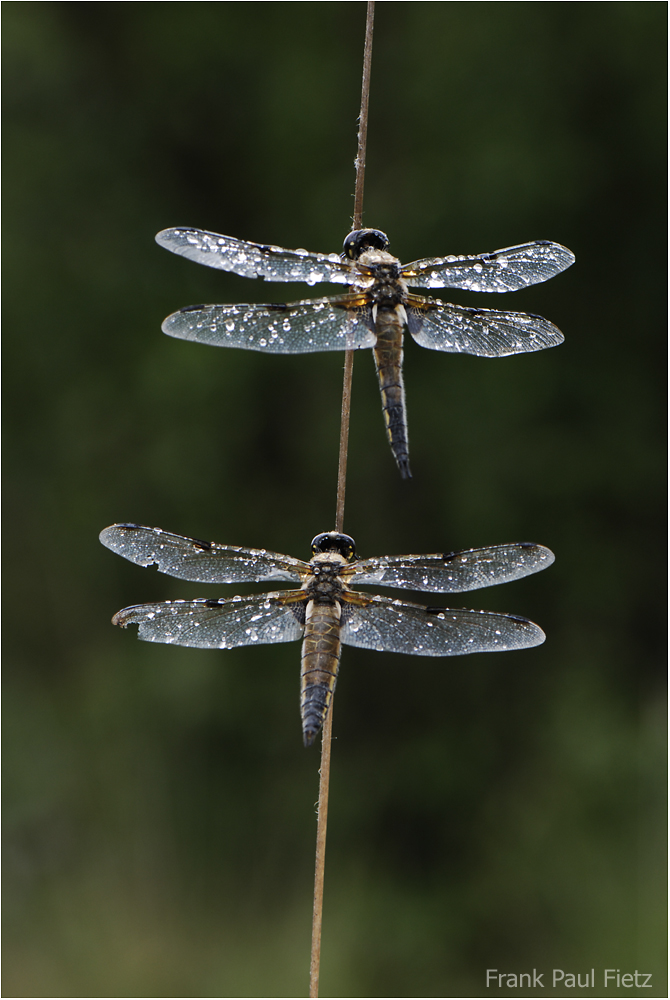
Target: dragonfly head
[
  {"x": 333, "y": 541},
  {"x": 361, "y": 240}
]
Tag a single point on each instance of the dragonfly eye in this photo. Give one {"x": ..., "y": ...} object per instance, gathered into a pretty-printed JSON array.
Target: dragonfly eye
[
  {"x": 333, "y": 541},
  {"x": 364, "y": 239}
]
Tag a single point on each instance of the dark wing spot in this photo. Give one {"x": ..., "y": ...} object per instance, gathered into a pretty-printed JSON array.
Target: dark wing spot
[
  {"x": 435, "y": 611},
  {"x": 277, "y": 306},
  {"x": 213, "y": 604},
  {"x": 518, "y": 618},
  {"x": 362, "y": 313},
  {"x": 298, "y": 611},
  {"x": 200, "y": 544},
  {"x": 191, "y": 309},
  {"x": 526, "y": 545},
  {"x": 127, "y": 524}
]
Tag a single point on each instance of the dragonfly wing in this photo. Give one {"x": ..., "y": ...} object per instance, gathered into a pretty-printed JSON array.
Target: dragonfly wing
[
  {"x": 488, "y": 333},
  {"x": 504, "y": 270},
  {"x": 256, "y": 260},
  {"x": 455, "y": 572},
  {"x": 200, "y": 561},
  {"x": 335, "y": 324},
  {"x": 398, "y": 627},
  {"x": 223, "y": 624}
]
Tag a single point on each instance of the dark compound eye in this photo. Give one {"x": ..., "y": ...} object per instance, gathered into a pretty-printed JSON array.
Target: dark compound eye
[
  {"x": 333, "y": 541},
  {"x": 364, "y": 239}
]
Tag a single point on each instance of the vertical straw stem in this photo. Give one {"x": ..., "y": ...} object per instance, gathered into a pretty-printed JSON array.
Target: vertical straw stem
[
  {"x": 356, "y": 224},
  {"x": 320, "y": 862},
  {"x": 363, "y": 120},
  {"x": 324, "y": 771}
]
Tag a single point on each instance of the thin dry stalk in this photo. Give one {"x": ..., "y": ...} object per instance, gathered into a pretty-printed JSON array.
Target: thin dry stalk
[
  {"x": 357, "y": 222},
  {"x": 324, "y": 780},
  {"x": 363, "y": 119},
  {"x": 324, "y": 771}
]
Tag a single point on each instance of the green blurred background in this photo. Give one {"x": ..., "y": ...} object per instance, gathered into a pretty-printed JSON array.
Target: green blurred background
[{"x": 486, "y": 812}]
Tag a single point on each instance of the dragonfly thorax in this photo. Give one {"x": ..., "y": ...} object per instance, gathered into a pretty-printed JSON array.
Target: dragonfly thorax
[
  {"x": 386, "y": 287},
  {"x": 325, "y": 585}
]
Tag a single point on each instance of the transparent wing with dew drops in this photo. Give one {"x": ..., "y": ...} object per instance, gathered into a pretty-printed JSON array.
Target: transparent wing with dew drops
[
  {"x": 489, "y": 333},
  {"x": 256, "y": 260},
  {"x": 454, "y": 572},
  {"x": 505, "y": 270},
  {"x": 222, "y": 624},
  {"x": 335, "y": 324},
  {"x": 202, "y": 562},
  {"x": 398, "y": 627}
]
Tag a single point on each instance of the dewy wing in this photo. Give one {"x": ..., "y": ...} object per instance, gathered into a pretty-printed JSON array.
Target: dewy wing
[{"x": 376, "y": 312}]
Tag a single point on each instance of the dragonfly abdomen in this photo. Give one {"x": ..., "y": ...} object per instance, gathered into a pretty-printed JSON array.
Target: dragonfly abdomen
[
  {"x": 321, "y": 649},
  {"x": 388, "y": 353}
]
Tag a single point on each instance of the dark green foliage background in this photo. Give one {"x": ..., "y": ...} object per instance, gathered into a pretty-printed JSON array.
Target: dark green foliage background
[{"x": 486, "y": 812}]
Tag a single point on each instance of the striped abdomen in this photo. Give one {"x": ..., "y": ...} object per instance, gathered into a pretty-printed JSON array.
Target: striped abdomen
[
  {"x": 389, "y": 324},
  {"x": 321, "y": 648}
]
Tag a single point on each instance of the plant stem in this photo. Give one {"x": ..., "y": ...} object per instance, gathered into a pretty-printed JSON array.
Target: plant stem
[
  {"x": 324, "y": 771},
  {"x": 320, "y": 864},
  {"x": 356, "y": 224}
]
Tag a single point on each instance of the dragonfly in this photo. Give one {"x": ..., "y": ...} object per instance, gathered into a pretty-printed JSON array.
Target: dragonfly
[
  {"x": 377, "y": 310},
  {"x": 325, "y": 611}
]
